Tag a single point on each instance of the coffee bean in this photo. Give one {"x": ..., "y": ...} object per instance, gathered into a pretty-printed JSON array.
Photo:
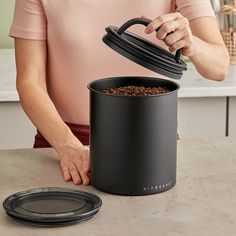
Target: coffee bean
[{"x": 136, "y": 90}]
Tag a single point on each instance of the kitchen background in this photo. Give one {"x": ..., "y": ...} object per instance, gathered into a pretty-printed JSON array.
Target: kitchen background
[
  {"x": 6, "y": 14},
  {"x": 206, "y": 108}
]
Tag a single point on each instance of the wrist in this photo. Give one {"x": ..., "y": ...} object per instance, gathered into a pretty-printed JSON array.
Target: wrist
[
  {"x": 193, "y": 50},
  {"x": 68, "y": 141}
]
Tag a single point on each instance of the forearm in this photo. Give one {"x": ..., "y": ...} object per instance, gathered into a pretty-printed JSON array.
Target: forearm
[
  {"x": 210, "y": 59},
  {"x": 31, "y": 59},
  {"x": 42, "y": 112}
]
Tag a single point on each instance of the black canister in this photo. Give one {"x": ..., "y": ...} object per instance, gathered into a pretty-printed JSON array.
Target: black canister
[{"x": 133, "y": 139}]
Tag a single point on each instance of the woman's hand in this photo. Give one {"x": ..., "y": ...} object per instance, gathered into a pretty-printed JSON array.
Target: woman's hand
[
  {"x": 75, "y": 162},
  {"x": 175, "y": 31}
]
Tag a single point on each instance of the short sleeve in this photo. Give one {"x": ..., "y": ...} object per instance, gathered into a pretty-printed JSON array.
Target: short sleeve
[
  {"x": 29, "y": 20},
  {"x": 193, "y": 9}
]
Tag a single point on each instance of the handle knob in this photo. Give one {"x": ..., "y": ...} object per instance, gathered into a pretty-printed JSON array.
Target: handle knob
[{"x": 144, "y": 22}]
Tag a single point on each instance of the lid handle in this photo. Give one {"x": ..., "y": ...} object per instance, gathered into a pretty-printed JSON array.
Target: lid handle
[{"x": 145, "y": 22}]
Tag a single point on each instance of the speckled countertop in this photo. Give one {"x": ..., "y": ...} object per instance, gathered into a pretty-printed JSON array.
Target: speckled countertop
[
  {"x": 203, "y": 202},
  {"x": 191, "y": 85}
]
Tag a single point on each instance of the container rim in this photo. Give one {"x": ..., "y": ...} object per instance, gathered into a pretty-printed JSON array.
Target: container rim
[{"x": 89, "y": 86}]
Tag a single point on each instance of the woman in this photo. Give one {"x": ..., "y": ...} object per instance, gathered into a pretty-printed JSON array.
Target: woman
[{"x": 59, "y": 51}]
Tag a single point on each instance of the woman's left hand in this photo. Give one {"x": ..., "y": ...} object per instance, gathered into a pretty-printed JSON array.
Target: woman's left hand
[{"x": 174, "y": 30}]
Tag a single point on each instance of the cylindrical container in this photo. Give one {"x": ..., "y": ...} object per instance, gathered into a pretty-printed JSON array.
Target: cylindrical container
[{"x": 133, "y": 138}]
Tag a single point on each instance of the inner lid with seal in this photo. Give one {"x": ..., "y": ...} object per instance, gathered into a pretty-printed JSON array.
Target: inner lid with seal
[
  {"x": 144, "y": 52},
  {"x": 52, "y": 205}
]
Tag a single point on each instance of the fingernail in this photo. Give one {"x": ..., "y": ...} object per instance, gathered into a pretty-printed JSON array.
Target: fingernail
[
  {"x": 147, "y": 30},
  {"x": 67, "y": 179},
  {"x": 77, "y": 182}
]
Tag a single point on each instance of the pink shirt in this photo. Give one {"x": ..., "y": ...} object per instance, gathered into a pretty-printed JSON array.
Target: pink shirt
[{"x": 76, "y": 54}]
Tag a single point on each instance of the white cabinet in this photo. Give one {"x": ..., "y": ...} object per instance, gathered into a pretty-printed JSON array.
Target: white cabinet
[
  {"x": 202, "y": 117},
  {"x": 16, "y": 130},
  {"x": 232, "y": 117}
]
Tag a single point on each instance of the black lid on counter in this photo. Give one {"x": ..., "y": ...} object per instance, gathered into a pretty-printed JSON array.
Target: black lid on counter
[{"x": 52, "y": 206}]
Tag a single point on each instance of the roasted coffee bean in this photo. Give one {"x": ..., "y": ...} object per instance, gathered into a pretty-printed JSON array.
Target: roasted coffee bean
[{"x": 136, "y": 90}]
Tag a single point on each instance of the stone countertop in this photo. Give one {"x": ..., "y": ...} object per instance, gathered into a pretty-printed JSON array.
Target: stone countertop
[
  {"x": 191, "y": 85},
  {"x": 203, "y": 202}
]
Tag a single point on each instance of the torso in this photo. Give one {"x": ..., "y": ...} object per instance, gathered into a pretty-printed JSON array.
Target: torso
[{"x": 76, "y": 53}]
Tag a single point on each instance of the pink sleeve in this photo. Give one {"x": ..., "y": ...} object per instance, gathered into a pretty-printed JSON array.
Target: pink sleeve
[
  {"x": 192, "y": 9},
  {"x": 29, "y": 20}
]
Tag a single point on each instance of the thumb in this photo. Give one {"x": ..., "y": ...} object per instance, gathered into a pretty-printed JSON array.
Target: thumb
[{"x": 146, "y": 17}]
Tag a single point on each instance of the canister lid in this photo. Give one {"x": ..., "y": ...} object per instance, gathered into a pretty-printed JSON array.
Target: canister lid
[
  {"x": 142, "y": 51},
  {"x": 51, "y": 206}
]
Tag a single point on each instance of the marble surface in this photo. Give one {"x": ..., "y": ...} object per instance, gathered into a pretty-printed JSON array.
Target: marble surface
[
  {"x": 203, "y": 202},
  {"x": 191, "y": 85}
]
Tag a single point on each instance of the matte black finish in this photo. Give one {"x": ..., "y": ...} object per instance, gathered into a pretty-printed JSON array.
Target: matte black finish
[
  {"x": 144, "y": 52},
  {"x": 52, "y": 206},
  {"x": 133, "y": 138},
  {"x": 48, "y": 224}
]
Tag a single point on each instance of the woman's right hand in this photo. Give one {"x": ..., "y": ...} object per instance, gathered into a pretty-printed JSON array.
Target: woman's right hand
[{"x": 75, "y": 162}]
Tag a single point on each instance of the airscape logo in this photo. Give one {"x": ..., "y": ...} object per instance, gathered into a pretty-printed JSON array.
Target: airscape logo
[{"x": 157, "y": 187}]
